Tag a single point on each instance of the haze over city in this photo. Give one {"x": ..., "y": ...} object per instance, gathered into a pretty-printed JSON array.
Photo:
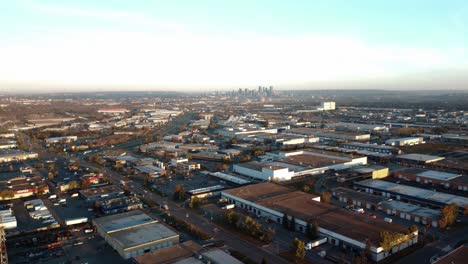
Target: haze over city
[{"x": 217, "y": 45}]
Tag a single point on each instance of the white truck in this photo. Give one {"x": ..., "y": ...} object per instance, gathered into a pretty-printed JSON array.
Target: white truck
[
  {"x": 228, "y": 206},
  {"x": 53, "y": 196},
  {"x": 76, "y": 221},
  {"x": 388, "y": 220},
  {"x": 315, "y": 243}
]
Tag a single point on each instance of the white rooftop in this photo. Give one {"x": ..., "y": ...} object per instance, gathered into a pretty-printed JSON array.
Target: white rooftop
[
  {"x": 421, "y": 157},
  {"x": 420, "y": 193},
  {"x": 439, "y": 175}
]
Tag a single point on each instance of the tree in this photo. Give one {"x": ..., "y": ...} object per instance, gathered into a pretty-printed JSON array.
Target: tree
[
  {"x": 84, "y": 184},
  {"x": 449, "y": 215},
  {"x": 325, "y": 197},
  {"x": 412, "y": 228},
  {"x": 195, "y": 202},
  {"x": 298, "y": 248},
  {"x": 285, "y": 221},
  {"x": 73, "y": 185},
  {"x": 6, "y": 194},
  {"x": 179, "y": 193}
]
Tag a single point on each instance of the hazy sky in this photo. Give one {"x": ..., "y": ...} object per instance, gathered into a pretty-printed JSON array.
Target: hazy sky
[{"x": 204, "y": 44}]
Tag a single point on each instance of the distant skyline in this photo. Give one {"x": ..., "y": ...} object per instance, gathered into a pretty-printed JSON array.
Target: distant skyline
[{"x": 206, "y": 45}]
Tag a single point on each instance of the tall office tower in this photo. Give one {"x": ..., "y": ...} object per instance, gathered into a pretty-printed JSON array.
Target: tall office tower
[{"x": 271, "y": 91}]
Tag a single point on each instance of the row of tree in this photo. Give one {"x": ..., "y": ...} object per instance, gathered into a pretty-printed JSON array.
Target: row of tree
[{"x": 248, "y": 226}]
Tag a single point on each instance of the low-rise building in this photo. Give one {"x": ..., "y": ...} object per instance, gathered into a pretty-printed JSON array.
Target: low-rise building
[
  {"x": 331, "y": 134},
  {"x": 94, "y": 194},
  {"x": 271, "y": 201},
  {"x": 411, "y": 194},
  {"x": 446, "y": 179},
  {"x": 418, "y": 159},
  {"x": 8, "y": 155},
  {"x": 118, "y": 204},
  {"x": 66, "y": 139},
  {"x": 371, "y": 147},
  {"x": 410, "y": 212},
  {"x": 134, "y": 233},
  {"x": 407, "y": 141}
]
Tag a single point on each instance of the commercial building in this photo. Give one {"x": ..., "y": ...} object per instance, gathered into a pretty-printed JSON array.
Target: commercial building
[
  {"x": 67, "y": 139},
  {"x": 447, "y": 180},
  {"x": 271, "y": 201},
  {"x": 411, "y": 194},
  {"x": 8, "y": 144},
  {"x": 134, "y": 233},
  {"x": 8, "y": 155},
  {"x": 356, "y": 127},
  {"x": 418, "y": 159},
  {"x": 118, "y": 204},
  {"x": 285, "y": 165},
  {"x": 410, "y": 212},
  {"x": 94, "y": 194},
  {"x": 408, "y": 141},
  {"x": 230, "y": 178},
  {"x": 16, "y": 186},
  {"x": 206, "y": 191},
  {"x": 7, "y": 219},
  {"x": 235, "y": 131},
  {"x": 185, "y": 253},
  {"x": 371, "y": 147},
  {"x": 326, "y": 106},
  {"x": 150, "y": 171},
  {"x": 330, "y": 134},
  {"x": 113, "y": 111}
]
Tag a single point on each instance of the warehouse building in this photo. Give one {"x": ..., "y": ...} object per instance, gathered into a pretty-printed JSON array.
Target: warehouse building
[
  {"x": 134, "y": 233},
  {"x": 411, "y": 194},
  {"x": 448, "y": 180},
  {"x": 286, "y": 165},
  {"x": 185, "y": 253},
  {"x": 407, "y": 141},
  {"x": 94, "y": 194},
  {"x": 271, "y": 201},
  {"x": 410, "y": 212},
  {"x": 8, "y": 155},
  {"x": 371, "y": 147},
  {"x": 418, "y": 159},
  {"x": 330, "y": 134}
]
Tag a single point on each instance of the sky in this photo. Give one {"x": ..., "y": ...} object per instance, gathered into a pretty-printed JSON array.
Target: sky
[{"x": 213, "y": 45}]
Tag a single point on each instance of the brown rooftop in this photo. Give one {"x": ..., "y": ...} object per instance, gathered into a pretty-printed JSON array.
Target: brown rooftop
[
  {"x": 169, "y": 254},
  {"x": 259, "y": 191},
  {"x": 458, "y": 256},
  {"x": 361, "y": 196},
  {"x": 310, "y": 160}
]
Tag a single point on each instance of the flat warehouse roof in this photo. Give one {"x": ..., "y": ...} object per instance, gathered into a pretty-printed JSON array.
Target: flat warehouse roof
[
  {"x": 118, "y": 222},
  {"x": 412, "y": 209},
  {"x": 357, "y": 226},
  {"x": 421, "y": 157},
  {"x": 362, "y": 196},
  {"x": 258, "y": 191},
  {"x": 439, "y": 175},
  {"x": 415, "y": 192},
  {"x": 143, "y": 234}
]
